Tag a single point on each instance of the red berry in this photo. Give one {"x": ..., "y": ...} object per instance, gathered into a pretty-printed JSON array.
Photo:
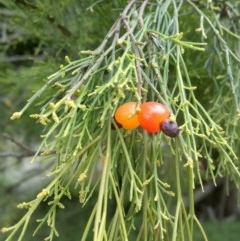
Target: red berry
[
  {"x": 151, "y": 115},
  {"x": 126, "y": 116}
]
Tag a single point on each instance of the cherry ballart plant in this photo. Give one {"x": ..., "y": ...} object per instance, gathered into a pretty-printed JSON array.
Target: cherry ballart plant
[{"x": 147, "y": 106}]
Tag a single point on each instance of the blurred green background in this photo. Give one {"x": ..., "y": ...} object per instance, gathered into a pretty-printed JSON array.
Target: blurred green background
[{"x": 35, "y": 38}]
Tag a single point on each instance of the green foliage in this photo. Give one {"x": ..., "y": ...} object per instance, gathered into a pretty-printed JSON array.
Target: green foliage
[
  {"x": 35, "y": 37},
  {"x": 221, "y": 230},
  {"x": 181, "y": 53}
]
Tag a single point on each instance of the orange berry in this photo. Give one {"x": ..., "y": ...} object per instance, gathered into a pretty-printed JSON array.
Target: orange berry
[{"x": 126, "y": 116}]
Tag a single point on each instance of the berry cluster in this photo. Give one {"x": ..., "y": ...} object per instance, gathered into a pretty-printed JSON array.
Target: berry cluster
[{"x": 152, "y": 116}]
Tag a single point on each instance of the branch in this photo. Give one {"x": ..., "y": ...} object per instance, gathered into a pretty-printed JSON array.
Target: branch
[
  {"x": 27, "y": 151},
  {"x": 17, "y": 155},
  {"x": 17, "y": 143}
]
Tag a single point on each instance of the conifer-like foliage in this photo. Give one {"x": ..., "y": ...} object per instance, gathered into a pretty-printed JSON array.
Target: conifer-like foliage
[{"x": 182, "y": 53}]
